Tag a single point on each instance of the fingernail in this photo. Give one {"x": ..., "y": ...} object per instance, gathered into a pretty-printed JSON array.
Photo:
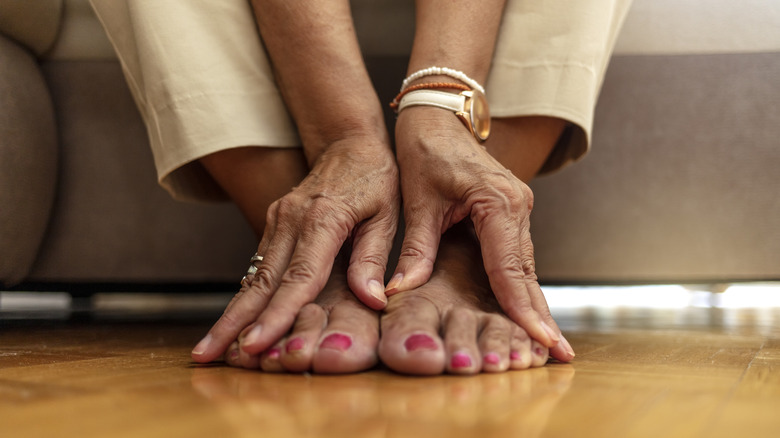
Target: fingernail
[
  {"x": 294, "y": 345},
  {"x": 377, "y": 291},
  {"x": 202, "y": 346},
  {"x": 420, "y": 342},
  {"x": 395, "y": 282},
  {"x": 336, "y": 341},
  {"x": 550, "y": 332},
  {"x": 253, "y": 336},
  {"x": 274, "y": 353},
  {"x": 460, "y": 360},
  {"x": 567, "y": 346},
  {"x": 492, "y": 358},
  {"x": 515, "y": 355}
]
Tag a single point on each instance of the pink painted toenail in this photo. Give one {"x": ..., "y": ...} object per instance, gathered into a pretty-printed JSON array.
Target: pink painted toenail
[
  {"x": 234, "y": 355},
  {"x": 274, "y": 353},
  {"x": 294, "y": 345},
  {"x": 337, "y": 341},
  {"x": 515, "y": 355},
  {"x": 538, "y": 351},
  {"x": 420, "y": 342},
  {"x": 492, "y": 358},
  {"x": 460, "y": 360}
]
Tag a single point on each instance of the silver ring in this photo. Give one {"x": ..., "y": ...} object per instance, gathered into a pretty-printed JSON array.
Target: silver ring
[
  {"x": 252, "y": 268},
  {"x": 256, "y": 258}
]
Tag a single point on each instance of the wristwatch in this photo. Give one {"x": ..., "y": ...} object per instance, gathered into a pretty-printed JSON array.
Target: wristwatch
[{"x": 471, "y": 107}]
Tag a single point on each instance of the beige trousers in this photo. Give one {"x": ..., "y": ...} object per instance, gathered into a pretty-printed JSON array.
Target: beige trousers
[{"x": 203, "y": 83}]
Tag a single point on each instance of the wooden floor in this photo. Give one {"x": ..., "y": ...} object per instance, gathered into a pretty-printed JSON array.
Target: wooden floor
[{"x": 688, "y": 372}]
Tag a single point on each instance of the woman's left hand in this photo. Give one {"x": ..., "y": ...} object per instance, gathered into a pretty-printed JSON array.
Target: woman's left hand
[{"x": 446, "y": 177}]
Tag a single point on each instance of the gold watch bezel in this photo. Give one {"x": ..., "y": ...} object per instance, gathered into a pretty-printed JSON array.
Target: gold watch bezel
[{"x": 476, "y": 114}]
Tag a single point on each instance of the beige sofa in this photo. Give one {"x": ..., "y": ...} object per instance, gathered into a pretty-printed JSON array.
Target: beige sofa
[{"x": 681, "y": 186}]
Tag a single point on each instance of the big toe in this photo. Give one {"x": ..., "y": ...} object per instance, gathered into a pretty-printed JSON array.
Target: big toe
[
  {"x": 410, "y": 342},
  {"x": 349, "y": 342}
]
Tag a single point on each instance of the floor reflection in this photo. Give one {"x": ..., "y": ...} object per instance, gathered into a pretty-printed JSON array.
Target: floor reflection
[{"x": 380, "y": 405}]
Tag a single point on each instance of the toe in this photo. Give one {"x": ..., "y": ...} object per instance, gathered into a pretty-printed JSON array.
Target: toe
[
  {"x": 520, "y": 350},
  {"x": 348, "y": 343},
  {"x": 270, "y": 360},
  {"x": 247, "y": 360},
  {"x": 298, "y": 351},
  {"x": 410, "y": 342},
  {"x": 460, "y": 342},
  {"x": 236, "y": 357},
  {"x": 232, "y": 354},
  {"x": 539, "y": 354},
  {"x": 494, "y": 343}
]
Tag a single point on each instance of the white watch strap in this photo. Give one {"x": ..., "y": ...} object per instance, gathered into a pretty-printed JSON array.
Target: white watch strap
[{"x": 441, "y": 99}]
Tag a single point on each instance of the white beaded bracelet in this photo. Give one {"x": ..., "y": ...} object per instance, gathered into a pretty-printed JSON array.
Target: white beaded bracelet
[{"x": 445, "y": 71}]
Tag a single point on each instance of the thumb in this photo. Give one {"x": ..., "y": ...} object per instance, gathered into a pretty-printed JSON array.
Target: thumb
[{"x": 418, "y": 252}]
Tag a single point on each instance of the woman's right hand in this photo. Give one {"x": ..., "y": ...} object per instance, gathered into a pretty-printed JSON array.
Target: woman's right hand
[{"x": 352, "y": 192}]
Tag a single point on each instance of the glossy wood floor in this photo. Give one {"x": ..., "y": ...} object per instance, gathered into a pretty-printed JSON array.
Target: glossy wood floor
[{"x": 689, "y": 372}]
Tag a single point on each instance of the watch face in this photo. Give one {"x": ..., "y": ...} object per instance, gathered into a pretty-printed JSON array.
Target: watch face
[{"x": 480, "y": 115}]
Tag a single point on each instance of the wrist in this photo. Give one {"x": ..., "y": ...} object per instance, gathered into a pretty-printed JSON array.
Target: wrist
[
  {"x": 364, "y": 129},
  {"x": 359, "y": 137}
]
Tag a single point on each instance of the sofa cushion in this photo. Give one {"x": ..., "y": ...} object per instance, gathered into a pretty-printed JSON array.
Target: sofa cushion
[
  {"x": 34, "y": 24},
  {"x": 28, "y": 160}
]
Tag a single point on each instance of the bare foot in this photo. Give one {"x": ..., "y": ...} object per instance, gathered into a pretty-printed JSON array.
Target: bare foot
[
  {"x": 453, "y": 323},
  {"x": 335, "y": 334}
]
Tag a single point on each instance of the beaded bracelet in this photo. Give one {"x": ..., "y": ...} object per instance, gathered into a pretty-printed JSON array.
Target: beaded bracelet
[
  {"x": 431, "y": 85},
  {"x": 445, "y": 71}
]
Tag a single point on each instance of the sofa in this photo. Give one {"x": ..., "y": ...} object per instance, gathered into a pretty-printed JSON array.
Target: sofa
[{"x": 681, "y": 185}]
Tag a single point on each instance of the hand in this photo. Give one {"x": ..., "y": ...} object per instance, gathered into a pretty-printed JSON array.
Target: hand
[
  {"x": 446, "y": 177},
  {"x": 351, "y": 191}
]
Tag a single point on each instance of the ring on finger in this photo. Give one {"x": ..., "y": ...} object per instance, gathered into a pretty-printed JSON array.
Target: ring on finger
[{"x": 252, "y": 270}]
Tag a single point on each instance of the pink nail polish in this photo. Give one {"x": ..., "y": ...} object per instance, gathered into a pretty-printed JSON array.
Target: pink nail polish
[
  {"x": 515, "y": 355},
  {"x": 294, "y": 345},
  {"x": 538, "y": 351},
  {"x": 492, "y": 358},
  {"x": 420, "y": 342},
  {"x": 233, "y": 355},
  {"x": 460, "y": 360},
  {"x": 274, "y": 353},
  {"x": 336, "y": 341}
]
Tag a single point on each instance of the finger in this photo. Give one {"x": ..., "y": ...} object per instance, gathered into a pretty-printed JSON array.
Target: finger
[
  {"x": 250, "y": 301},
  {"x": 508, "y": 261},
  {"x": 562, "y": 350},
  {"x": 371, "y": 244},
  {"x": 304, "y": 278},
  {"x": 418, "y": 250},
  {"x": 268, "y": 234}
]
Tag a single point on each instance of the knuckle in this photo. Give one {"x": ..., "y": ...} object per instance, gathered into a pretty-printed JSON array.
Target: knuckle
[
  {"x": 374, "y": 260},
  {"x": 529, "y": 268},
  {"x": 503, "y": 197},
  {"x": 263, "y": 281},
  {"x": 323, "y": 215},
  {"x": 510, "y": 264},
  {"x": 299, "y": 272}
]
